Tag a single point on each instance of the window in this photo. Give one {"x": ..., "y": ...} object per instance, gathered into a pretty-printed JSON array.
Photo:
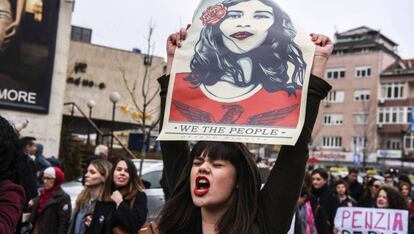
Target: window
[
  {"x": 361, "y": 72},
  {"x": 333, "y": 119},
  {"x": 359, "y": 143},
  {"x": 360, "y": 118},
  {"x": 335, "y": 96},
  {"x": 395, "y": 90},
  {"x": 362, "y": 95},
  {"x": 337, "y": 73},
  {"x": 81, "y": 34},
  {"x": 153, "y": 177},
  {"x": 332, "y": 141},
  {"x": 394, "y": 115},
  {"x": 409, "y": 141},
  {"x": 393, "y": 144}
]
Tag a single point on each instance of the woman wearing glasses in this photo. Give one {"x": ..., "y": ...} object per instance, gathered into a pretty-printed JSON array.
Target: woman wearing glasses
[{"x": 52, "y": 209}]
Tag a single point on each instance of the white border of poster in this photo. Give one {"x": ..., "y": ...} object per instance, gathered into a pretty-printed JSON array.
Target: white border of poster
[{"x": 214, "y": 130}]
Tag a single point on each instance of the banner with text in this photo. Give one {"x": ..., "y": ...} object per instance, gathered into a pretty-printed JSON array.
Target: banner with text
[
  {"x": 352, "y": 220},
  {"x": 27, "y": 57},
  {"x": 241, "y": 75}
]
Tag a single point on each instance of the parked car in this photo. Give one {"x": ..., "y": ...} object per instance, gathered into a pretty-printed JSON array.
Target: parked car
[{"x": 151, "y": 175}]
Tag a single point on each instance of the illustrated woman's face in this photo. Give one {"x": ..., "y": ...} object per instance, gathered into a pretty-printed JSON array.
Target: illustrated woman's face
[
  {"x": 93, "y": 177},
  {"x": 212, "y": 182},
  {"x": 246, "y": 26},
  {"x": 121, "y": 174},
  {"x": 382, "y": 199}
]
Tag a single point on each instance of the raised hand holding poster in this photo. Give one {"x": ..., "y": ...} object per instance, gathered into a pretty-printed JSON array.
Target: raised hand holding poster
[{"x": 241, "y": 75}]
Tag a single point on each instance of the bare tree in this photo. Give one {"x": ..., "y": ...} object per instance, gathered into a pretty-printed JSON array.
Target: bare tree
[
  {"x": 366, "y": 129},
  {"x": 143, "y": 93}
]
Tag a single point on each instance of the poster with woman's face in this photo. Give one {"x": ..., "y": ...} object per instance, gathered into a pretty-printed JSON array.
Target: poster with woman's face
[{"x": 241, "y": 75}]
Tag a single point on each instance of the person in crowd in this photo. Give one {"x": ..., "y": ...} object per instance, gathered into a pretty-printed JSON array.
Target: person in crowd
[
  {"x": 365, "y": 181},
  {"x": 355, "y": 188},
  {"x": 97, "y": 190},
  {"x": 368, "y": 198},
  {"x": 405, "y": 191},
  {"x": 41, "y": 163},
  {"x": 128, "y": 210},
  {"x": 26, "y": 167},
  {"x": 322, "y": 201},
  {"x": 12, "y": 195},
  {"x": 305, "y": 214},
  {"x": 26, "y": 173},
  {"x": 51, "y": 211},
  {"x": 389, "y": 180},
  {"x": 101, "y": 152},
  {"x": 389, "y": 198},
  {"x": 218, "y": 189},
  {"x": 343, "y": 199}
]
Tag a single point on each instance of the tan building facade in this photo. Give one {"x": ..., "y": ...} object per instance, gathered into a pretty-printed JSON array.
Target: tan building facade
[
  {"x": 46, "y": 127},
  {"x": 94, "y": 72},
  {"x": 395, "y": 111},
  {"x": 347, "y": 120}
]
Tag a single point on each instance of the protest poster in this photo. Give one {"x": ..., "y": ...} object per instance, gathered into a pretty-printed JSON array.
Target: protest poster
[
  {"x": 241, "y": 75},
  {"x": 27, "y": 57},
  {"x": 353, "y": 220}
]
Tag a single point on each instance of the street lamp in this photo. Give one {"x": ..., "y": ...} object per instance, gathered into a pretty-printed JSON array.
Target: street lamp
[
  {"x": 115, "y": 97},
  {"x": 71, "y": 109},
  {"x": 91, "y": 104}
]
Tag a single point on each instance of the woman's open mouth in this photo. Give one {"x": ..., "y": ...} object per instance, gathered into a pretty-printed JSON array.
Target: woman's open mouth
[
  {"x": 241, "y": 35},
  {"x": 202, "y": 186}
]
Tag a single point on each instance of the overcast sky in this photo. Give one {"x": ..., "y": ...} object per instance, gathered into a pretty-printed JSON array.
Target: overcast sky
[{"x": 124, "y": 24}]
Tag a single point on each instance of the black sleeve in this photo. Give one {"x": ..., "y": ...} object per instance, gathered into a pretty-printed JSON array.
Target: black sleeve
[
  {"x": 132, "y": 219},
  {"x": 279, "y": 196},
  {"x": 64, "y": 213},
  {"x": 175, "y": 154}
]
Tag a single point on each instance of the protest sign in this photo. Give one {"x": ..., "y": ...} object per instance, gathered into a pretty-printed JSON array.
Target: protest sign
[
  {"x": 352, "y": 220},
  {"x": 241, "y": 75}
]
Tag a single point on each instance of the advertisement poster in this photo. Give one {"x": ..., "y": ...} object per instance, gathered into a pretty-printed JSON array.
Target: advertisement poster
[
  {"x": 349, "y": 220},
  {"x": 27, "y": 57},
  {"x": 241, "y": 75}
]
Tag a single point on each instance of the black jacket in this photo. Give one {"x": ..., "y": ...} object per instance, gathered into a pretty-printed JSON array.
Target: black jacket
[
  {"x": 277, "y": 199},
  {"x": 355, "y": 189},
  {"x": 323, "y": 204},
  {"x": 26, "y": 176},
  {"x": 107, "y": 216},
  {"x": 55, "y": 216}
]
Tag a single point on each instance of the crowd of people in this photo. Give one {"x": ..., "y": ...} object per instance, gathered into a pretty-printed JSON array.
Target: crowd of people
[
  {"x": 323, "y": 194},
  {"x": 33, "y": 201}
]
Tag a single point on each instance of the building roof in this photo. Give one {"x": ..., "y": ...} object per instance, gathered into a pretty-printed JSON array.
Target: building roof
[
  {"x": 358, "y": 33},
  {"x": 400, "y": 67}
]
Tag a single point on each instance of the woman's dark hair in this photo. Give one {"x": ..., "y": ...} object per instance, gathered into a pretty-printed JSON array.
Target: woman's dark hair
[
  {"x": 401, "y": 184},
  {"x": 395, "y": 200},
  {"x": 134, "y": 185},
  {"x": 212, "y": 59},
  {"x": 338, "y": 182},
  {"x": 9, "y": 143},
  {"x": 322, "y": 172},
  {"x": 180, "y": 215}
]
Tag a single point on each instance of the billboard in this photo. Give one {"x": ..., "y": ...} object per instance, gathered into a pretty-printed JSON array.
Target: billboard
[{"x": 27, "y": 57}]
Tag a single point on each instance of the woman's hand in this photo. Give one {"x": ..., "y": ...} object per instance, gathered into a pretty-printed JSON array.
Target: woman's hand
[
  {"x": 117, "y": 197},
  {"x": 31, "y": 204},
  {"x": 174, "y": 41},
  {"x": 88, "y": 220},
  {"x": 323, "y": 50}
]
